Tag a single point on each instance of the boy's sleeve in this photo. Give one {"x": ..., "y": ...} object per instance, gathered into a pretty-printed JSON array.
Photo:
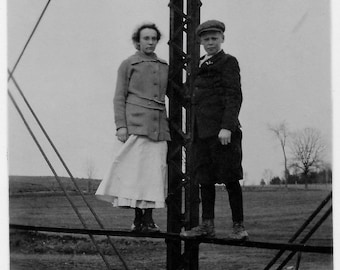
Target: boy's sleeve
[
  {"x": 119, "y": 100},
  {"x": 232, "y": 94}
]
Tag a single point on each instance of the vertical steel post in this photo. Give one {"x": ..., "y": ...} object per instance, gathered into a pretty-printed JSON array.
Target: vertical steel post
[
  {"x": 174, "y": 200},
  {"x": 191, "y": 248},
  {"x": 182, "y": 30}
]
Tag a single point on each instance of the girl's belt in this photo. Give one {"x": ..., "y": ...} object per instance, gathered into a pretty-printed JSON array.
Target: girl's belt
[{"x": 146, "y": 102}]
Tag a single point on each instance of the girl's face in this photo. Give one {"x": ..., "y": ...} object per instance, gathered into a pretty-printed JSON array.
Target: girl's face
[
  {"x": 212, "y": 42},
  {"x": 148, "y": 40}
]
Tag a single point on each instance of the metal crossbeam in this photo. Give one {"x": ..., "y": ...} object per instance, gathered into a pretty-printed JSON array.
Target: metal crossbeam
[{"x": 174, "y": 236}]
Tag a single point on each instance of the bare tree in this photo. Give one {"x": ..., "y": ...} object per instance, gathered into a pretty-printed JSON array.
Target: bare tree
[
  {"x": 325, "y": 169},
  {"x": 267, "y": 175},
  {"x": 307, "y": 148},
  {"x": 281, "y": 132},
  {"x": 328, "y": 173},
  {"x": 90, "y": 170}
]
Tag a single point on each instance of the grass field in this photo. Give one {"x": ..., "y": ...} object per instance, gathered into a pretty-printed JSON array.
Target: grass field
[{"x": 272, "y": 214}]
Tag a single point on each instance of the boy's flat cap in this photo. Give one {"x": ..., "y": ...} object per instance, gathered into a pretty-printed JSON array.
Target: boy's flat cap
[{"x": 211, "y": 25}]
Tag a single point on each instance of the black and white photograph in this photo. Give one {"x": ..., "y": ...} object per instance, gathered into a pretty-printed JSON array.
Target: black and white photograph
[{"x": 178, "y": 134}]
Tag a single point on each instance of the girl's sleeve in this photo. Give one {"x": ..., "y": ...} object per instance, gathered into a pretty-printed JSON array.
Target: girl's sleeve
[{"x": 119, "y": 100}]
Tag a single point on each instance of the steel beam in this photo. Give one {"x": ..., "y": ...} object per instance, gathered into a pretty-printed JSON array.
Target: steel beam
[
  {"x": 183, "y": 66},
  {"x": 174, "y": 200}
]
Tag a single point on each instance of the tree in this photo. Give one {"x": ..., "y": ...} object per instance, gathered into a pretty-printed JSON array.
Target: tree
[
  {"x": 281, "y": 132},
  {"x": 275, "y": 181},
  {"x": 262, "y": 183},
  {"x": 325, "y": 173},
  {"x": 307, "y": 148},
  {"x": 90, "y": 170},
  {"x": 267, "y": 175},
  {"x": 294, "y": 174}
]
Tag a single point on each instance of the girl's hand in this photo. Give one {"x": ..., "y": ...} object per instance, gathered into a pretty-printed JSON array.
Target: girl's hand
[
  {"x": 224, "y": 136},
  {"x": 122, "y": 134}
]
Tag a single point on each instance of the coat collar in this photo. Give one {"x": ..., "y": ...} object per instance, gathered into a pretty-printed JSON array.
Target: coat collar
[
  {"x": 139, "y": 57},
  {"x": 212, "y": 59}
]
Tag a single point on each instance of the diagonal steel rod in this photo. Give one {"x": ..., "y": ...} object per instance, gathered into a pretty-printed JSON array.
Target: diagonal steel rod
[
  {"x": 309, "y": 234},
  {"x": 298, "y": 261},
  {"x": 300, "y": 230},
  {"x": 57, "y": 178},
  {"x": 67, "y": 169},
  {"x": 28, "y": 41},
  {"x": 62, "y": 161},
  {"x": 178, "y": 10}
]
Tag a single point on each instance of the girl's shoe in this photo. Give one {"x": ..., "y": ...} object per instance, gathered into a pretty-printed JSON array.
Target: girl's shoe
[
  {"x": 137, "y": 223},
  {"x": 149, "y": 225},
  {"x": 136, "y": 227},
  {"x": 150, "y": 228}
]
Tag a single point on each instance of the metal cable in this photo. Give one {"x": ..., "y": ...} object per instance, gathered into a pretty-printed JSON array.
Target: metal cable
[
  {"x": 57, "y": 177},
  {"x": 309, "y": 234},
  {"x": 300, "y": 230},
  {"x": 62, "y": 161},
  {"x": 298, "y": 261},
  {"x": 28, "y": 41},
  {"x": 69, "y": 172}
]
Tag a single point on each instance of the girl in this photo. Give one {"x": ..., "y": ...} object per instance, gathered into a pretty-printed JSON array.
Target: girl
[{"x": 137, "y": 177}]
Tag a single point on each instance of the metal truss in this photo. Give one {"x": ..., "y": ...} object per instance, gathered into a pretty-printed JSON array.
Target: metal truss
[{"x": 184, "y": 19}]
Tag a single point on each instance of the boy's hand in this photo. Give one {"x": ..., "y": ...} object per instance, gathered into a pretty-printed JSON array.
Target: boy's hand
[
  {"x": 122, "y": 134},
  {"x": 224, "y": 136}
]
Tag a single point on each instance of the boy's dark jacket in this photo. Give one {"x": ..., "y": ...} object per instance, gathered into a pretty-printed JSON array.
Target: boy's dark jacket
[
  {"x": 217, "y": 101},
  {"x": 217, "y": 95}
]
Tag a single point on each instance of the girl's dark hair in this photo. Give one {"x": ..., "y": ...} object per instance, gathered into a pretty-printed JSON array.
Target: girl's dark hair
[{"x": 136, "y": 33}]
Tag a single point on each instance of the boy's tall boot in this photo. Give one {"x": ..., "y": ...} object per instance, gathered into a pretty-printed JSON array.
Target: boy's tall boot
[
  {"x": 239, "y": 232},
  {"x": 206, "y": 229}
]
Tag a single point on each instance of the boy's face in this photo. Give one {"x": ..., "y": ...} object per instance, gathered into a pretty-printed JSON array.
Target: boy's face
[{"x": 212, "y": 41}]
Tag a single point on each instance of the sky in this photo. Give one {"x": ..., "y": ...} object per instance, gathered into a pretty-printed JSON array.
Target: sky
[{"x": 68, "y": 74}]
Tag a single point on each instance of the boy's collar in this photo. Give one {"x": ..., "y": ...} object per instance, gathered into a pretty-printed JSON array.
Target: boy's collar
[
  {"x": 210, "y": 56},
  {"x": 208, "y": 59},
  {"x": 215, "y": 53}
]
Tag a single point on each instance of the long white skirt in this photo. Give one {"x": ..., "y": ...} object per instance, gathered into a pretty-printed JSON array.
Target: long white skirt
[{"x": 137, "y": 176}]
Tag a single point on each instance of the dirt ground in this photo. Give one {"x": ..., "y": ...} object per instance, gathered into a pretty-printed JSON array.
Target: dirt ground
[
  {"x": 41, "y": 251},
  {"x": 271, "y": 216}
]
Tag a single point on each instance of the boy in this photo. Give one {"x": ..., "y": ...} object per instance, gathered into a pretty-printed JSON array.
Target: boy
[{"x": 217, "y": 148}]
